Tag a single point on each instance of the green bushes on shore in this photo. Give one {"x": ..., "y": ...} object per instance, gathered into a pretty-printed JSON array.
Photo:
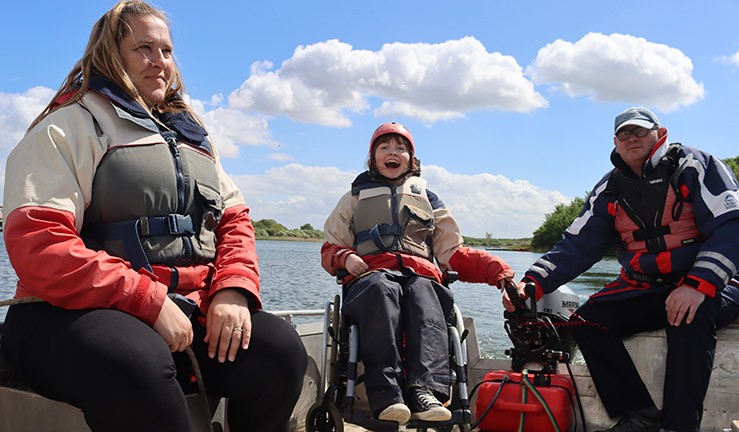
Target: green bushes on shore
[{"x": 271, "y": 229}]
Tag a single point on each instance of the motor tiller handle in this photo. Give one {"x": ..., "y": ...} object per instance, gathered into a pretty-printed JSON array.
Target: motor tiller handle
[
  {"x": 510, "y": 289},
  {"x": 530, "y": 289}
]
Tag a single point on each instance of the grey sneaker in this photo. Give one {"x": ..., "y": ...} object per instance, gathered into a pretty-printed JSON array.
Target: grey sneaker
[
  {"x": 396, "y": 412},
  {"x": 635, "y": 422},
  {"x": 424, "y": 406}
]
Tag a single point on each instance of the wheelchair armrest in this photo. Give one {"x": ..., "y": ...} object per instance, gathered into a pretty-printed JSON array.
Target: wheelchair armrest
[
  {"x": 449, "y": 277},
  {"x": 341, "y": 274}
]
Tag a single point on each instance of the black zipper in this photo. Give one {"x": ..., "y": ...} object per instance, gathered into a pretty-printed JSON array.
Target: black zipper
[
  {"x": 394, "y": 212},
  {"x": 171, "y": 138}
]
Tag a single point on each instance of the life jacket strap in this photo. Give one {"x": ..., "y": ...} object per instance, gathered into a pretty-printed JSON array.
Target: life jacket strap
[
  {"x": 376, "y": 232},
  {"x": 131, "y": 231},
  {"x": 645, "y": 234}
]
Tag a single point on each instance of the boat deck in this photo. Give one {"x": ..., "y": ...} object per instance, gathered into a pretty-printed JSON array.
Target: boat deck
[{"x": 24, "y": 410}]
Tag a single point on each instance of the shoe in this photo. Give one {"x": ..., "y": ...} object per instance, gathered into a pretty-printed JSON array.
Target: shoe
[
  {"x": 635, "y": 422},
  {"x": 396, "y": 412},
  {"x": 424, "y": 406}
]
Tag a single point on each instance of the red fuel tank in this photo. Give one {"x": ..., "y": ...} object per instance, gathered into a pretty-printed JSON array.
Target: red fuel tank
[{"x": 517, "y": 402}]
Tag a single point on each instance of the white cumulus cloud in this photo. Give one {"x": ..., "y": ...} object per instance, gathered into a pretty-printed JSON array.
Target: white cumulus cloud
[
  {"x": 324, "y": 82},
  {"x": 619, "y": 68},
  {"x": 730, "y": 60},
  {"x": 294, "y": 194},
  {"x": 280, "y": 157},
  {"x": 487, "y": 203},
  {"x": 483, "y": 203},
  {"x": 229, "y": 128},
  {"x": 17, "y": 111}
]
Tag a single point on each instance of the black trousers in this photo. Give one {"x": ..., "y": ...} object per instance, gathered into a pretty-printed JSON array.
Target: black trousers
[
  {"x": 690, "y": 352},
  {"x": 403, "y": 339},
  {"x": 120, "y": 373}
]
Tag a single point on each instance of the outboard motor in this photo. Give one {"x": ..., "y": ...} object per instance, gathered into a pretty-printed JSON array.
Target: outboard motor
[
  {"x": 539, "y": 330},
  {"x": 532, "y": 397}
]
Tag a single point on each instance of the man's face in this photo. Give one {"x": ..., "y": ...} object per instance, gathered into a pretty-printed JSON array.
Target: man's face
[{"x": 635, "y": 150}]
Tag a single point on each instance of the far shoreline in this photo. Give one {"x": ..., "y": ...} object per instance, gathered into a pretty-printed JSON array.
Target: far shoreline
[{"x": 517, "y": 245}]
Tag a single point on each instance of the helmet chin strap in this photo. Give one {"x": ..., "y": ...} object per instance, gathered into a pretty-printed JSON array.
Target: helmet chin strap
[{"x": 376, "y": 175}]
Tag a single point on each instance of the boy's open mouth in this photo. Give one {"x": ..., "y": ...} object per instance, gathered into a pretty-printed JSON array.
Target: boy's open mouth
[{"x": 392, "y": 164}]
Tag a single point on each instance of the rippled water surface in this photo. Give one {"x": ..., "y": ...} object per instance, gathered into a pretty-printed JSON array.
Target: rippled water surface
[{"x": 292, "y": 278}]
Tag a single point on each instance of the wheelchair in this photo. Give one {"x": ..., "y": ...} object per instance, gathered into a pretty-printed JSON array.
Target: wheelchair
[{"x": 340, "y": 378}]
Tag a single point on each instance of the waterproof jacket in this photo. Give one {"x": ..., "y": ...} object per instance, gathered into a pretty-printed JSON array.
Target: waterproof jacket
[
  {"x": 656, "y": 253},
  {"x": 104, "y": 160},
  {"x": 413, "y": 240}
]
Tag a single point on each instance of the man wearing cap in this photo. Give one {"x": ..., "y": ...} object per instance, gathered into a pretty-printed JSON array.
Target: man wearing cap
[{"x": 673, "y": 212}]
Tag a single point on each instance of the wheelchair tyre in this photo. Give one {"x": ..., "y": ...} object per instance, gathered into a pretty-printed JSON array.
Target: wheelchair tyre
[{"x": 324, "y": 419}]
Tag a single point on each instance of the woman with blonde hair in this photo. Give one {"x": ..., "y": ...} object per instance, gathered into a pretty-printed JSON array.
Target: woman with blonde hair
[{"x": 120, "y": 218}]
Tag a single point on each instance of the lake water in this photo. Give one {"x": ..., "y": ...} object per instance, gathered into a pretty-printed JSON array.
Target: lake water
[{"x": 292, "y": 278}]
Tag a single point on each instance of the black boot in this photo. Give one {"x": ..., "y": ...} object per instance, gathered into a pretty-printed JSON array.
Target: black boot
[{"x": 635, "y": 422}]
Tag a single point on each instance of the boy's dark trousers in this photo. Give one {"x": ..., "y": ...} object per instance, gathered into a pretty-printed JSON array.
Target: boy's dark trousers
[{"x": 402, "y": 328}]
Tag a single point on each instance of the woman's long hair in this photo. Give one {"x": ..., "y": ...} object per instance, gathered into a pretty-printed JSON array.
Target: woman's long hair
[{"x": 102, "y": 58}]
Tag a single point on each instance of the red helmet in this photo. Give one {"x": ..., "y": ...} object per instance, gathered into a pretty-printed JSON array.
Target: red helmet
[{"x": 389, "y": 128}]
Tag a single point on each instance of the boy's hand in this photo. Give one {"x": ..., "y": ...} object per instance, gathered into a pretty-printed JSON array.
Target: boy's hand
[{"x": 355, "y": 265}]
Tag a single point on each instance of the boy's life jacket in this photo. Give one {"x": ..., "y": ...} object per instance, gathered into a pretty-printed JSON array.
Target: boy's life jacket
[
  {"x": 392, "y": 218},
  {"x": 652, "y": 214}
]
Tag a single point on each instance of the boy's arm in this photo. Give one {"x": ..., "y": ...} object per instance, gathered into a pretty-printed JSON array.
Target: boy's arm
[
  {"x": 472, "y": 265},
  {"x": 338, "y": 235}
]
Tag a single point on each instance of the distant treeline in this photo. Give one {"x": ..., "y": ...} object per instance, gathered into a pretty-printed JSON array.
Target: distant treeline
[{"x": 271, "y": 229}]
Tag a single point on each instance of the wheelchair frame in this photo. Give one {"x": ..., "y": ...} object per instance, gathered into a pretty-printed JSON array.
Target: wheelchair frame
[{"x": 339, "y": 365}]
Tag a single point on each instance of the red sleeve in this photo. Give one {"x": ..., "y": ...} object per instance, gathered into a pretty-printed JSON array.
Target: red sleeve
[
  {"x": 333, "y": 257},
  {"x": 53, "y": 263},
  {"x": 236, "y": 254},
  {"x": 701, "y": 285},
  {"x": 474, "y": 265},
  {"x": 539, "y": 290}
]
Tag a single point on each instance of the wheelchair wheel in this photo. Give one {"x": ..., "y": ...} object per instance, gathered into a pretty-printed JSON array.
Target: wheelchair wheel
[{"x": 324, "y": 419}]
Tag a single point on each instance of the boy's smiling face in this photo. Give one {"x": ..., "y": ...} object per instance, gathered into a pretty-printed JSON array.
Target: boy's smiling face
[{"x": 392, "y": 158}]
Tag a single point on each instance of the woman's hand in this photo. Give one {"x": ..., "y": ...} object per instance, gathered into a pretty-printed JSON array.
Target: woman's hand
[
  {"x": 355, "y": 265},
  {"x": 173, "y": 326},
  {"x": 227, "y": 324}
]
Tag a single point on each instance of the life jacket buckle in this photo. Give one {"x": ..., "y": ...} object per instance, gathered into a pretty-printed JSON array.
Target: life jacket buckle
[{"x": 179, "y": 224}]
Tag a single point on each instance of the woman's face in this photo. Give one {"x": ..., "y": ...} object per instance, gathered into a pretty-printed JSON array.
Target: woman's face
[{"x": 147, "y": 57}]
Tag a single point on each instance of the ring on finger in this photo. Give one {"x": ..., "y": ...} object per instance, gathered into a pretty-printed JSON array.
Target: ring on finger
[{"x": 238, "y": 329}]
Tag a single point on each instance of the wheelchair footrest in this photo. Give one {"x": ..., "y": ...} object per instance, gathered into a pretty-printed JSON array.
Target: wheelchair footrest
[{"x": 360, "y": 418}]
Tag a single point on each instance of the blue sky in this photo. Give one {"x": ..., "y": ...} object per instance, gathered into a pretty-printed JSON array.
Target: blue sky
[{"x": 511, "y": 104}]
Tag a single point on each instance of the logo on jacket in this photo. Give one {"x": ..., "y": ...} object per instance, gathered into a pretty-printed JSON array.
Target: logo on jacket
[
  {"x": 416, "y": 189},
  {"x": 656, "y": 181},
  {"x": 730, "y": 202}
]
